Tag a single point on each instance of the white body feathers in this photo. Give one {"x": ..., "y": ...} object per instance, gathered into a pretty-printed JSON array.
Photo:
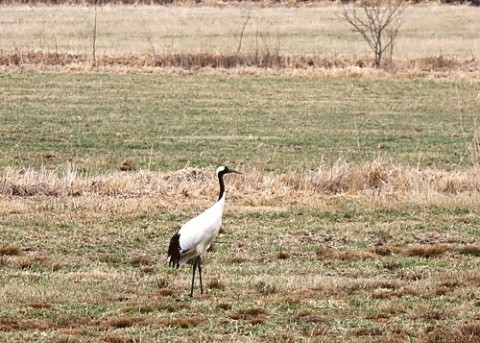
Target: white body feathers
[{"x": 198, "y": 233}]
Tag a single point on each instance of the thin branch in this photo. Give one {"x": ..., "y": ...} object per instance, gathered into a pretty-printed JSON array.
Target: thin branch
[
  {"x": 94, "y": 54},
  {"x": 241, "y": 33}
]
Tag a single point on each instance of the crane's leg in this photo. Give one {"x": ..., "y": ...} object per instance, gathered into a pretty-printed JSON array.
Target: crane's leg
[
  {"x": 193, "y": 276},
  {"x": 200, "y": 273}
]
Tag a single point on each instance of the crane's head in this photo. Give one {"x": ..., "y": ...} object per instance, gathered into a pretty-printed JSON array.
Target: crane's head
[{"x": 222, "y": 170}]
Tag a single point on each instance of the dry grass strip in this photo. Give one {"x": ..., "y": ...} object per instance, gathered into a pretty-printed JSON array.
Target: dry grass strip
[
  {"x": 374, "y": 179},
  {"x": 243, "y": 63}
]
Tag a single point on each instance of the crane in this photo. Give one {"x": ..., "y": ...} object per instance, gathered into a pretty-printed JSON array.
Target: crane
[{"x": 196, "y": 235}]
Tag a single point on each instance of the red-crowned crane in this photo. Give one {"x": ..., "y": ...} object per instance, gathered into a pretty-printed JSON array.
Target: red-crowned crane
[{"x": 196, "y": 235}]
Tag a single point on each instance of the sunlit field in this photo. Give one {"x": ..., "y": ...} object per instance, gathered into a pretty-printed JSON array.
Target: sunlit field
[
  {"x": 433, "y": 41},
  {"x": 356, "y": 219},
  {"x": 428, "y": 31}
]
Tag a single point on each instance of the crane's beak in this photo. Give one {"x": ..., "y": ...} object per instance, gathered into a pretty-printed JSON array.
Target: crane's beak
[{"x": 234, "y": 171}]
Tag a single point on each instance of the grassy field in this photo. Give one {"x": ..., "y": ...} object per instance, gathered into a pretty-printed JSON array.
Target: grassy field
[
  {"x": 328, "y": 238},
  {"x": 357, "y": 219},
  {"x": 293, "y": 264},
  {"x": 99, "y": 122}
]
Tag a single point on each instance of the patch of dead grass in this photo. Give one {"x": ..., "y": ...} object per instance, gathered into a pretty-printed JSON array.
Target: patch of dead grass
[
  {"x": 167, "y": 292},
  {"x": 464, "y": 333},
  {"x": 116, "y": 338},
  {"x": 262, "y": 61},
  {"x": 368, "y": 331},
  {"x": 254, "y": 315},
  {"x": 10, "y": 250},
  {"x": 309, "y": 316},
  {"x": 324, "y": 253},
  {"x": 473, "y": 250},
  {"x": 384, "y": 250},
  {"x": 140, "y": 260},
  {"x": 184, "y": 323},
  {"x": 371, "y": 180},
  {"x": 215, "y": 283},
  {"x": 43, "y": 305},
  {"x": 426, "y": 251},
  {"x": 265, "y": 288},
  {"x": 123, "y": 322},
  {"x": 224, "y": 306}
]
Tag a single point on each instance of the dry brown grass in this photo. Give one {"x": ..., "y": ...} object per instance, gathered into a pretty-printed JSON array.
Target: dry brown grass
[
  {"x": 466, "y": 333},
  {"x": 256, "y": 63},
  {"x": 470, "y": 250},
  {"x": 10, "y": 250},
  {"x": 426, "y": 251},
  {"x": 375, "y": 179}
]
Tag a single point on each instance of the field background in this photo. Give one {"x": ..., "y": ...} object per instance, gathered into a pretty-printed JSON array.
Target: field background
[
  {"x": 436, "y": 38},
  {"x": 451, "y": 31},
  {"x": 357, "y": 218}
]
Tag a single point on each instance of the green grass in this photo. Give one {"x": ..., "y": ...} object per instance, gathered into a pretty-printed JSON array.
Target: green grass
[{"x": 99, "y": 121}]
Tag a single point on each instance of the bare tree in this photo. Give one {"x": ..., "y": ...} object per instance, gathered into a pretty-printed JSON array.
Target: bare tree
[{"x": 378, "y": 21}]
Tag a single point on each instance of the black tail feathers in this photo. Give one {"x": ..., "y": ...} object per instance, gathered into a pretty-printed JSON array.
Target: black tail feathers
[{"x": 174, "y": 251}]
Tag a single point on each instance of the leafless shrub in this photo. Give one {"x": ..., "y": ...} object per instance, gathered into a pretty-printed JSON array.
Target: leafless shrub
[{"x": 377, "y": 21}]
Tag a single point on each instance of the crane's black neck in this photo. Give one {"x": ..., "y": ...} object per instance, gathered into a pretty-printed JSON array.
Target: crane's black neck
[{"x": 222, "y": 185}]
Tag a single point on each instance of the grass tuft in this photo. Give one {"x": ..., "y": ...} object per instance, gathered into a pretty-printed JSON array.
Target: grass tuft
[
  {"x": 265, "y": 288},
  {"x": 224, "y": 306},
  {"x": 215, "y": 283},
  {"x": 140, "y": 260},
  {"x": 283, "y": 255},
  {"x": 368, "y": 331}
]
